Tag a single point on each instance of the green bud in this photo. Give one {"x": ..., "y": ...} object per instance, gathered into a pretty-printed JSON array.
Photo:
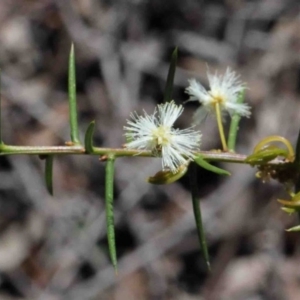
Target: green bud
[
  {"x": 266, "y": 154},
  {"x": 288, "y": 210},
  {"x": 166, "y": 177},
  {"x": 294, "y": 229},
  {"x": 290, "y": 204}
]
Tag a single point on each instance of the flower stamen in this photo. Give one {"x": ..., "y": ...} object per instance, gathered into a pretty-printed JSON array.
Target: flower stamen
[
  {"x": 222, "y": 95},
  {"x": 156, "y": 133}
]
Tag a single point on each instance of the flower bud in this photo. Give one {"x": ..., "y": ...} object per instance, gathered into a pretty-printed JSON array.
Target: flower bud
[{"x": 166, "y": 177}]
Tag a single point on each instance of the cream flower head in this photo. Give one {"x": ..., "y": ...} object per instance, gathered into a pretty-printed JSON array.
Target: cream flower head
[
  {"x": 156, "y": 133},
  {"x": 223, "y": 90}
]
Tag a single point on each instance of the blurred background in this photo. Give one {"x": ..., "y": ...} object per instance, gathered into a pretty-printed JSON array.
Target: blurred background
[{"x": 54, "y": 248}]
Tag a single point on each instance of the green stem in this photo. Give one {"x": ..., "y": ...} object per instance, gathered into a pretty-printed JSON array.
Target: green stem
[
  {"x": 234, "y": 125},
  {"x": 117, "y": 152},
  {"x": 72, "y": 98},
  {"x": 220, "y": 126},
  {"x": 40, "y": 150}
]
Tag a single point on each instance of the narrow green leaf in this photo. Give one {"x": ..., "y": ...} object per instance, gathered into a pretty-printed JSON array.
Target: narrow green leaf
[
  {"x": 207, "y": 166},
  {"x": 109, "y": 199},
  {"x": 49, "y": 173},
  {"x": 170, "y": 79},
  {"x": 234, "y": 125},
  {"x": 88, "y": 139},
  {"x": 197, "y": 213},
  {"x": 72, "y": 98}
]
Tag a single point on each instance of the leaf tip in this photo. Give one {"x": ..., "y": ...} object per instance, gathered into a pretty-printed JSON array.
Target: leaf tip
[
  {"x": 72, "y": 48},
  {"x": 116, "y": 270},
  {"x": 49, "y": 174},
  {"x": 208, "y": 266},
  {"x": 175, "y": 52}
]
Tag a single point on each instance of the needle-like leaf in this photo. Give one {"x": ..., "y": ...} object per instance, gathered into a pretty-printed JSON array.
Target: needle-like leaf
[
  {"x": 72, "y": 98},
  {"x": 197, "y": 212},
  {"x": 109, "y": 200},
  {"x": 49, "y": 173},
  {"x": 170, "y": 79}
]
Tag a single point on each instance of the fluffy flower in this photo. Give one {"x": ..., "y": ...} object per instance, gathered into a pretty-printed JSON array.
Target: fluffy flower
[
  {"x": 156, "y": 133},
  {"x": 223, "y": 90}
]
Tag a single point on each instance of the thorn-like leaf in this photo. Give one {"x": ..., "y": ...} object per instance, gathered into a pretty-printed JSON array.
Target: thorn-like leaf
[
  {"x": 197, "y": 213},
  {"x": 207, "y": 166},
  {"x": 49, "y": 173},
  {"x": 109, "y": 200},
  {"x": 72, "y": 98},
  {"x": 88, "y": 139},
  {"x": 170, "y": 79}
]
